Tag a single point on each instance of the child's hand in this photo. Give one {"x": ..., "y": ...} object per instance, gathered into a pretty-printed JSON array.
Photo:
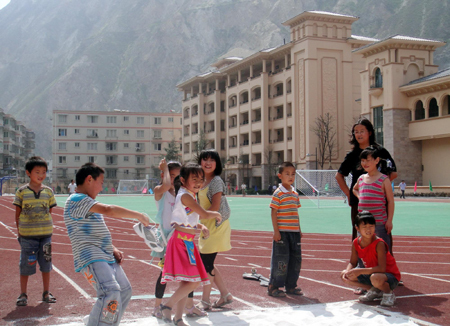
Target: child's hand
[
  {"x": 389, "y": 226},
  {"x": 118, "y": 255},
  {"x": 205, "y": 232},
  {"x": 352, "y": 274},
  {"x": 276, "y": 236},
  {"x": 145, "y": 220},
  {"x": 216, "y": 215},
  {"x": 163, "y": 164}
]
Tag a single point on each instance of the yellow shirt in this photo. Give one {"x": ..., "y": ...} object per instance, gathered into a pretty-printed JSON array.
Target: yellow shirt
[{"x": 219, "y": 237}]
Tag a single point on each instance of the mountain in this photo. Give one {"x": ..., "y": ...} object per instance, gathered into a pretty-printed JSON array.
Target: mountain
[{"x": 114, "y": 54}]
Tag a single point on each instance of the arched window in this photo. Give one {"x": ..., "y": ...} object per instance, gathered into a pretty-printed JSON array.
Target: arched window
[
  {"x": 446, "y": 105},
  {"x": 433, "y": 108},
  {"x": 378, "y": 78},
  {"x": 419, "y": 112}
]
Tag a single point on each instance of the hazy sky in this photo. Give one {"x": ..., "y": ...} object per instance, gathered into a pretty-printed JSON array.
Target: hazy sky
[{"x": 3, "y": 3}]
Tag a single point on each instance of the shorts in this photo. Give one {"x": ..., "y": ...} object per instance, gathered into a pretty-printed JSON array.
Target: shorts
[
  {"x": 392, "y": 281},
  {"x": 35, "y": 250},
  {"x": 208, "y": 262}
]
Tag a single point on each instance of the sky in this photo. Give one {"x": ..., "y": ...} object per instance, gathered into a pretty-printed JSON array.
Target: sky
[{"x": 3, "y": 3}]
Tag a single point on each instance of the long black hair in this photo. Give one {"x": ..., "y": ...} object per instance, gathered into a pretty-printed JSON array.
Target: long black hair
[{"x": 186, "y": 170}]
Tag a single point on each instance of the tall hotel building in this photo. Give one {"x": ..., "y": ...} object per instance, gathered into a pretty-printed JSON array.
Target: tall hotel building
[
  {"x": 128, "y": 145},
  {"x": 261, "y": 110}
]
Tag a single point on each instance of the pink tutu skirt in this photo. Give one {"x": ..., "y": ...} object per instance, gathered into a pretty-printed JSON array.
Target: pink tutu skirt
[{"x": 177, "y": 265}]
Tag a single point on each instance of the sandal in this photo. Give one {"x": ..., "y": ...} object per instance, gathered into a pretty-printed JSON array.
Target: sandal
[
  {"x": 157, "y": 313},
  {"x": 360, "y": 291},
  {"x": 204, "y": 305},
  {"x": 22, "y": 300},
  {"x": 177, "y": 322},
  {"x": 191, "y": 313},
  {"x": 48, "y": 297},
  {"x": 225, "y": 301},
  {"x": 295, "y": 291},
  {"x": 161, "y": 309},
  {"x": 275, "y": 292}
]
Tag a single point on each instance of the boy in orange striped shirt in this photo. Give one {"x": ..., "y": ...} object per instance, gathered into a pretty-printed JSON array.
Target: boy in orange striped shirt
[{"x": 286, "y": 249}]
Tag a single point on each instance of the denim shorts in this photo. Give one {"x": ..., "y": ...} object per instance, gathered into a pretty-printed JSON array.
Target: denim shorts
[
  {"x": 36, "y": 250},
  {"x": 392, "y": 281}
]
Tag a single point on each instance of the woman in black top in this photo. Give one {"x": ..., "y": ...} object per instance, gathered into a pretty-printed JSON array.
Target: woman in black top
[{"x": 363, "y": 135}]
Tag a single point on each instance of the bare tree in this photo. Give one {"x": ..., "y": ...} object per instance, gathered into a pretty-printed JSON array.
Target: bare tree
[
  {"x": 269, "y": 154},
  {"x": 326, "y": 134},
  {"x": 202, "y": 143}
]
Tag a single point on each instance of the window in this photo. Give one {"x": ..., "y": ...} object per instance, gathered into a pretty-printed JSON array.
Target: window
[
  {"x": 77, "y": 145},
  {"x": 77, "y": 131},
  {"x": 61, "y": 132},
  {"x": 6, "y": 147},
  {"x": 77, "y": 158},
  {"x": 92, "y": 146},
  {"x": 157, "y": 147},
  {"x": 140, "y": 120},
  {"x": 126, "y": 132},
  {"x": 126, "y": 158},
  {"x": 62, "y": 118},
  {"x": 140, "y": 159},
  {"x": 126, "y": 118},
  {"x": 111, "y": 133},
  {"x": 91, "y": 159},
  {"x": 157, "y": 134},
  {"x": 139, "y": 147},
  {"x": 62, "y": 159},
  {"x": 111, "y": 159},
  {"x": 378, "y": 124},
  {"x": 6, "y": 134},
  {"x": 92, "y": 119},
  {"x": 157, "y": 121},
  {"x": 111, "y": 119},
  {"x": 181, "y": 121},
  {"x": 170, "y": 119},
  {"x": 92, "y": 133},
  {"x": 111, "y": 146},
  {"x": 378, "y": 79},
  {"x": 77, "y": 118},
  {"x": 62, "y": 146},
  {"x": 125, "y": 145},
  {"x": 140, "y": 133},
  {"x": 111, "y": 173}
]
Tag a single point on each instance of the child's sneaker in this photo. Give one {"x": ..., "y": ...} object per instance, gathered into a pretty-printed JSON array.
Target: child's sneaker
[
  {"x": 151, "y": 235},
  {"x": 371, "y": 295},
  {"x": 388, "y": 299}
]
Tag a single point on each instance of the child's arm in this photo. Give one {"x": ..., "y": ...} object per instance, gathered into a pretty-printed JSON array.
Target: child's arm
[
  {"x": 390, "y": 205},
  {"x": 356, "y": 189},
  {"x": 204, "y": 230},
  {"x": 190, "y": 202},
  {"x": 215, "y": 202},
  {"x": 120, "y": 212},
  {"x": 118, "y": 255},
  {"x": 166, "y": 182},
  {"x": 276, "y": 232},
  {"x": 345, "y": 275},
  {"x": 18, "y": 211}
]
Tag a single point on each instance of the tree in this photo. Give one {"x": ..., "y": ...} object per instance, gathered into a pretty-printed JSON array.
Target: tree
[
  {"x": 271, "y": 164},
  {"x": 326, "y": 134},
  {"x": 172, "y": 151}
]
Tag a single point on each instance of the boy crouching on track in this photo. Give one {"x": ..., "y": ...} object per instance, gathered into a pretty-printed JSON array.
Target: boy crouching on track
[
  {"x": 93, "y": 252},
  {"x": 380, "y": 274}
]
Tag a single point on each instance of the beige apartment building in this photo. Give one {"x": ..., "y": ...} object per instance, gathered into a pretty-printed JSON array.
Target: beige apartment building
[
  {"x": 17, "y": 144},
  {"x": 261, "y": 110},
  {"x": 128, "y": 145}
]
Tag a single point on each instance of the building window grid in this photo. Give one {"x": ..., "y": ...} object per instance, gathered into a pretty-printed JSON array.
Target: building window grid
[{"x": 378, "y": 124}]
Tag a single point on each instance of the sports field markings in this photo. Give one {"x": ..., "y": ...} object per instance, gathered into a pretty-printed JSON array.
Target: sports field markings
[
  {"x": 254, "y": 265},
  {"x": 229, "y": 258},
  {"x": 242, "y": 243},
  {"x": 427, "y": 277}
]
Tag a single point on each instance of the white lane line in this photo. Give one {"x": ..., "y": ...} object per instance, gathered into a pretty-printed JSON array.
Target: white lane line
[
  {"x": 75, "y": 285},
  {"x": 230, "y": 258},
  {"x": 427, "y": 277},
  {"x": 242, "y": 243},
  {"x": 254, "y": 265},
  {"x": 326, "y": 283}
]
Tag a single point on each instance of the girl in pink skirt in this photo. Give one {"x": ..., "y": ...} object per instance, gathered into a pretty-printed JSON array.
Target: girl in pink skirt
[{"x": 183, "y": 262}]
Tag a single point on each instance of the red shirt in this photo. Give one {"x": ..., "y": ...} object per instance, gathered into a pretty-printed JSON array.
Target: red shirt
[{"x": 369, "y": 256}]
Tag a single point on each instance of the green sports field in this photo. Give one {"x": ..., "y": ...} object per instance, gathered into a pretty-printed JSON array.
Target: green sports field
[{"x": 411, "y": 217}]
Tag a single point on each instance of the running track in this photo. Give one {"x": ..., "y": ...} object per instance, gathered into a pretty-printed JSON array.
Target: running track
[{"x": 423, "y": 261}]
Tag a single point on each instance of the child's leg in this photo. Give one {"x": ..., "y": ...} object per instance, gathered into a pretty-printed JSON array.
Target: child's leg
[
  {"x": 380, "y": 231},
  {"x": 208, "y": 263},
  {"x": 181, "y": 293},
  {"x": 295, "y": 262},
  {"x": 159, "y": 291},
  {"x": 224, "y": 294},
  {"x": 23, "y": 283},
  {"x": 384, "y": 281},
  {"x": 46, "y": 280}
]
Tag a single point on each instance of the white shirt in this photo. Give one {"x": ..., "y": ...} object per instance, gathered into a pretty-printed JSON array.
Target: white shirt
[{"x": 72, "y": 187}]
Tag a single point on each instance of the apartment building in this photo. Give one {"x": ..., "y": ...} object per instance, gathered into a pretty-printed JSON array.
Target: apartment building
[
  {"x": 261, "y": 110},
  {"x": 128, "y": 145},
  {"x": 16, "y": 146}
]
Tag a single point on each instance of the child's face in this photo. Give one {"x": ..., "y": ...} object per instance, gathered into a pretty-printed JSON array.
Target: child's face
[
  {"x": 361, "y": 133},
  {"x": 369, "y": 164},
  {"x": 193, "y": 183},
  {"x": 95, "y": 185},
  {"x": 287, "y": 176},
  {"x": 208, "y": 165},
  {"x": 37, "y": 175},
  {"x": 366, "y": 230}
]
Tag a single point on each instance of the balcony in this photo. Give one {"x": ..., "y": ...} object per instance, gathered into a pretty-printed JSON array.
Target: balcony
[
  {"x": 375, "y": 90},
  {"x": 429, "y": 128}
]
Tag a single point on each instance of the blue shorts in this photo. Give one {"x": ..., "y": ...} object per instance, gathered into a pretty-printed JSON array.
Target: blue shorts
[
  {"x": 37, "y": 250},
  {"x": 392, "y": 281}
]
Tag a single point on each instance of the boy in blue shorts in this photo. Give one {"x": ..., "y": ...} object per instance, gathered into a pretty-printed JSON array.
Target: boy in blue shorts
[
  {"x": 380, "y": 274},
  {"x": 34, "y": 203},
  {"x": 286, "y": 248},
  {"x": 93, "y": 252}
]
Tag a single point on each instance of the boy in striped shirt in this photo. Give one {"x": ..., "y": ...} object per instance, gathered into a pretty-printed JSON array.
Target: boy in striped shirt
[{"x": 286, "y": 249}]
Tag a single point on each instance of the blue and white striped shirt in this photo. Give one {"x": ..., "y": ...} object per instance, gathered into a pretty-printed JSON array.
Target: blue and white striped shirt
[{"x": 88, "y": 233}]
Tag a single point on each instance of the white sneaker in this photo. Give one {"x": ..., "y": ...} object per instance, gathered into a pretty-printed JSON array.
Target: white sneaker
[
  {"x": 388, "y": 299},
  {"x": 152, "y": 236},
  {"x": 371, "y": 295},
  {"x": 86, "y": 319}
]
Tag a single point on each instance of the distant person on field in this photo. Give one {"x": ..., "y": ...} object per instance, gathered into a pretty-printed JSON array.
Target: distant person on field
[
  {"x": 34, "y": 203},
  {"x": 269, "y": 189},
  {"x": 286, "y": 248},
  {"x": 72, "y": 187},
  {"x": 93, "y": 252},
  {"x": 243, "y": 189},
  {"x": 380, "y": 274},
  {"x": 402, "y": 187}
]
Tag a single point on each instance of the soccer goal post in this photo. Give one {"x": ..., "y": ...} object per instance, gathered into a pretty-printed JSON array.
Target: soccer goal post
[
  {"x": 132, "y": 187},
  {"x": 321, "y": 187}
]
